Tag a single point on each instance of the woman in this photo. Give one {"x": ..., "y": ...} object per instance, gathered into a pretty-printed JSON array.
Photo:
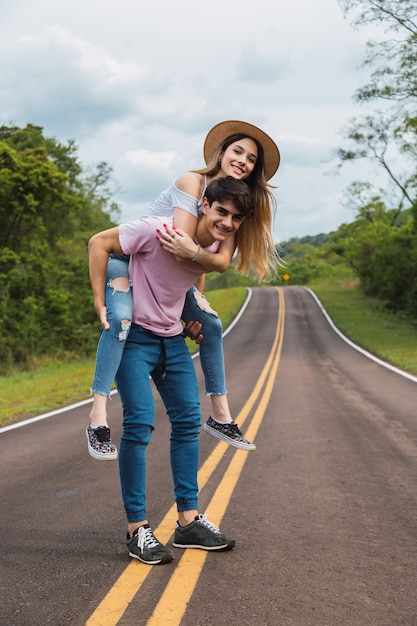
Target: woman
[{"x": 231, "y": 148}]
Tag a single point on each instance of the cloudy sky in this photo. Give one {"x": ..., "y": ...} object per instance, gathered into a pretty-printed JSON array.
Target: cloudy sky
[{"x": 138, "y": 84}]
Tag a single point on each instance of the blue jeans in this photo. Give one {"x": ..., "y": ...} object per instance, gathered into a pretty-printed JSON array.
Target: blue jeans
[
  {"x": 169, "y": 363},
  {"x": 119, "y": 312},
  {"x": 196, "y": 308},
  {"x": 112, "y": 341}
]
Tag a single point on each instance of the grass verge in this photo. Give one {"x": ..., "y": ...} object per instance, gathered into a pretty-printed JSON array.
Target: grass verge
[{"x": 367, "y": 323}]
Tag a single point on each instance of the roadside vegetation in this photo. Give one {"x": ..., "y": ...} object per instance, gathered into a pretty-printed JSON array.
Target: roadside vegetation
[{"x": 370, "y": 325}]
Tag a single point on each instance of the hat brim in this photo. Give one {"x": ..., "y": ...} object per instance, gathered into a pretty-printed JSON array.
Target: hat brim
[{"x": 217, "y": 135}]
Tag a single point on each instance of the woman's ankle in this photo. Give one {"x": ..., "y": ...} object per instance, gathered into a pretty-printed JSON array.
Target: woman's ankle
[
  {"x": 98, "y": 413},
  {"x": 220, "y": 409}
]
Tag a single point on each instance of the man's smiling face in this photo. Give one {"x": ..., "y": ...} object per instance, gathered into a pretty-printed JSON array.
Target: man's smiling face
[{"x": 221, "y": 221}]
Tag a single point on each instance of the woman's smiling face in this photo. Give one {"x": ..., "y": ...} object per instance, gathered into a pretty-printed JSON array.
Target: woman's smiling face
[{"x": 239, "y": 159}]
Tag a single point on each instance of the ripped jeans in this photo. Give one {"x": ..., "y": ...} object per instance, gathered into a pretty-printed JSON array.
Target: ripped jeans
[
  {"x": 197, "y": 309},
  {"x": 119, "y": 305},
  {"x": 119, "y": 315}
]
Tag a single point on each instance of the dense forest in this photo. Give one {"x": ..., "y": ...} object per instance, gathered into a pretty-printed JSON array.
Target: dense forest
[{"x": 49, "y": 207}]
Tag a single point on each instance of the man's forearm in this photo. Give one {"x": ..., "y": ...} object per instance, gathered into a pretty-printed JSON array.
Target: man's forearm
[{"x": 99, "y": 248}]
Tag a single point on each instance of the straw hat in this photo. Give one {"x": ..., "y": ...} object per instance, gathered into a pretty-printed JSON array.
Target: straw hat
[{"x": 217, "y": 135}]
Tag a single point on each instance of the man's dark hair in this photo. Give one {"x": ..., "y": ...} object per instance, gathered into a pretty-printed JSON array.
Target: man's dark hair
[{"x": 229, "y": 188}]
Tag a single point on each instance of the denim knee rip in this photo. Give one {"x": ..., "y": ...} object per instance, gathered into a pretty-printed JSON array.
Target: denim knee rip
[
  {"x": 125, "y": 324},
  {"x": 121, "y": 284},
  {"x": 203, "y": 303}
]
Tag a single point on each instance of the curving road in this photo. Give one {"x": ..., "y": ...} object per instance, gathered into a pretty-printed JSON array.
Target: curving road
[{"x": 324, "y": 512}]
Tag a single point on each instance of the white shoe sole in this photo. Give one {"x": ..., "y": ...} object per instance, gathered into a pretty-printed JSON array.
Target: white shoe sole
[{"x": 231, "y": 442}]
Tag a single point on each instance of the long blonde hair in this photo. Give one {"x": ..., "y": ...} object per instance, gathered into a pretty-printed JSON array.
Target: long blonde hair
[{"x": 256, "y": 251}]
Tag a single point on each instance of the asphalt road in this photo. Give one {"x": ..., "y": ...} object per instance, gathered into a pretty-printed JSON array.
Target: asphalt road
[{"x": 324, "y": 512}]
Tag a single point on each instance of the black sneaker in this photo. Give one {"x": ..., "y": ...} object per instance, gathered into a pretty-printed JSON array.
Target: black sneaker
[
  {"x": 201, "y": 534},
  {"x": 144, "y": 546},
  {"x": 230, "y": 433},
  {"x": 100, "y": 445}
]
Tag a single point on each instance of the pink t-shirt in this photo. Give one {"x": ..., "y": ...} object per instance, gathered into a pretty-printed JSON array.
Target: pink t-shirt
[{"x": 160, "y": 283}]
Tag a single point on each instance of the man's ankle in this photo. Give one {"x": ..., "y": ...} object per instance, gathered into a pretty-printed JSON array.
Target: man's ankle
[
  {"x": 134, "y": 525},
  {"x": 186, "y": 517}
]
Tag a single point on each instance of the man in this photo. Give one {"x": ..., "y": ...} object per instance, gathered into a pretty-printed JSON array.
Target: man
[{"x": 155, "y": 347}]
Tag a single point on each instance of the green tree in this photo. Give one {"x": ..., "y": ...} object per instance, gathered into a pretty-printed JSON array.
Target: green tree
[
  {"x": 393, "y": 79},
  {"x": 380, "y": 242},
  {"x": 48, "y": 210},
  {"x": 379, "y": 245},
  {"x": 394, "y": 58}
]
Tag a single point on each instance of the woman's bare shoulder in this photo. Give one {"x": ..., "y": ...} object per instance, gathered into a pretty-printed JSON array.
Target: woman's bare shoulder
[{"x": 191, "y": 183}]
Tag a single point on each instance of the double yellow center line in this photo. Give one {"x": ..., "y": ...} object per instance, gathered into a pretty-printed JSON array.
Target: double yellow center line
[{"x": 173, "y": 602}]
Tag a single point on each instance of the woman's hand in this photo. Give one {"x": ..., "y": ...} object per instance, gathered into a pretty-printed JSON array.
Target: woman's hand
[{"x": 177, "y": 242}]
